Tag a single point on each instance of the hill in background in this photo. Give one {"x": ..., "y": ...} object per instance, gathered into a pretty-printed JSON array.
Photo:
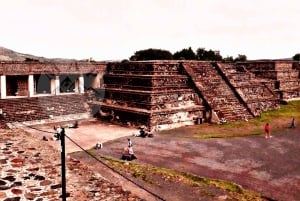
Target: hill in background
[{"x": 10, "y": 55}]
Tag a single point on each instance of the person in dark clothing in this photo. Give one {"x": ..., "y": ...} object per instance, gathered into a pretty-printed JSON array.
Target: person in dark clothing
[
  {"x": 129, "y": 142},
  {"x": 293, "y": 123}
]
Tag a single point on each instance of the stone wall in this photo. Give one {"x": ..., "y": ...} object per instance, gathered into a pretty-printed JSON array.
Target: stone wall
[
  {"x": 281, "y": 76},
  {"x": 31, "y": 68}
]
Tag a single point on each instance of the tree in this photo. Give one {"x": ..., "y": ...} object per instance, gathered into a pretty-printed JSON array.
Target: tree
[
  {"x": 209, "y": 55},
  {"x": 151, "y": 54},
  {"x": 185, "y": 54},
  {"x": 241, "y": 57},
  {"x": 228, "y": 59},
  {"x": 201, "y": 53},
  {"x": 218, "y": 56},
  {"x": 296, "y": 57}
]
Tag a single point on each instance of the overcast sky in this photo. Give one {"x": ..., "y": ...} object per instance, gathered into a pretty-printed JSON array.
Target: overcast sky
[{"x": 115, "y": 29}]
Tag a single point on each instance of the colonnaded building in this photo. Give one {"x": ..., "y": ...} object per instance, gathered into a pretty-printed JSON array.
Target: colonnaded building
[{"x": 158, "y": 94}]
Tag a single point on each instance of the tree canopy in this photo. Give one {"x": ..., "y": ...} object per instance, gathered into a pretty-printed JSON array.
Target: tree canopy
[
  {"x": 241, "y": 57},
  {"x": 151, "y": 54},
  {"x": 296, "y": 57},
  {"x": 184, "y": 54},
  {"x": 228, "y": 59},
  {"x": 209, "y": 55}
]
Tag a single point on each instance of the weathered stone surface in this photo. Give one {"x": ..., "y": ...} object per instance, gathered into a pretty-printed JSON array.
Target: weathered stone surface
[
  {"x": 16, "y": 191},
  {"x": 29, "y": 183},
  {"x": 17, "y": 165},
  {"x": 3, "y": 161},
  {"x": 12, "y": 199},
  {"x": 30, "y": 196},
  {"x": 4, "y": 187},
  {"x": 9, "y": 178},
  {"x": 45, "y": 183},
  {"x": 48, "y": 193},
  {"x": 33, "y": 169},
  {"x": 17, "y": 183},
  {"x": 2, "y": 195},
  {"x": 17, "y": 160},
  {"x": 56, "y": 186},
  {"x": 11, "y": 171},
  {"x": 39, "y": 177}
]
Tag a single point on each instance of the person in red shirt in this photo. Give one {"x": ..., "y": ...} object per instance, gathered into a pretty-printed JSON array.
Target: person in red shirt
[{"x": 267, "y": 131}]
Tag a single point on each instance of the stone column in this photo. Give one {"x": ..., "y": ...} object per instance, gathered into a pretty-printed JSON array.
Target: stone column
[
  {"x": 76, "y": 88},
  {"x": 98, "y": 81},
  {"x": 3, "y": 86},
  {"x": 81, "y": 84},
  {"x": 52, "y": 86},
  {"x": 55, "y": 85},
  {"x": 30, "y": 86}
]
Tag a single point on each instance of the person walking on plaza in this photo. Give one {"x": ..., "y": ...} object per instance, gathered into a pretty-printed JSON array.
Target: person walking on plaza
[
  {"x": 267, "y": 131},
  {"x": 129, "y": 143},
  {"x": 293, "y": 123}
]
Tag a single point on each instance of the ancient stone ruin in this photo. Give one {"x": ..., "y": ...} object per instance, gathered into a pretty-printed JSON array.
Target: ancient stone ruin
[{"x": 158, "y": 94}]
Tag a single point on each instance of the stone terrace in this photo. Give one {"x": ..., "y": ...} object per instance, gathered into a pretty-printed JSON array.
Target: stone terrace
[
  {"x": 154, "y": 93},
  {"x": 283, "y": 76}
]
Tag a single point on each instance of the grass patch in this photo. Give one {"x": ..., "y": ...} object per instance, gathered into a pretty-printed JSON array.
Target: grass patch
[
  {"x": 279, "y": 119},
  {"x": 150, "y": 175}
]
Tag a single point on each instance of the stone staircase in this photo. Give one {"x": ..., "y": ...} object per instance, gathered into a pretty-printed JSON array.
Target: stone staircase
[
  {"x": 217, "y": 93},
  {"x": 254, "y": 92},
  {"x": 35, "y": 109}
]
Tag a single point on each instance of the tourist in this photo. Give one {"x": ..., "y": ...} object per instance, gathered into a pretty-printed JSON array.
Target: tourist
[
  {"x": 98, "y": 145},
  {"x": 125, "y": 155},
  {"x": 58, "y": 131},
  {"x": 75, "y": 125},
  {"x": 143, "y": 133},
  {"x": 267, "y": 131},
  {"x": 223, "y": 120},
  {"x": 128, "y": 154},
  {"x": 131, "y": 153},
  {"x": 129, "y": 142},
  {"x": 293, "y": 123},
  {"x": 44, "y": 138}
]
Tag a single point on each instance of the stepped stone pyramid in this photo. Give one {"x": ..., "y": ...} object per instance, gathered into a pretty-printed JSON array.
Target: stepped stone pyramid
[{"x": 155, "y": 94}]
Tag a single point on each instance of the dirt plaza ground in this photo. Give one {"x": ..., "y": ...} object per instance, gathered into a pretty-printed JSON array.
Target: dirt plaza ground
[{"x": 269, "y": 166}]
